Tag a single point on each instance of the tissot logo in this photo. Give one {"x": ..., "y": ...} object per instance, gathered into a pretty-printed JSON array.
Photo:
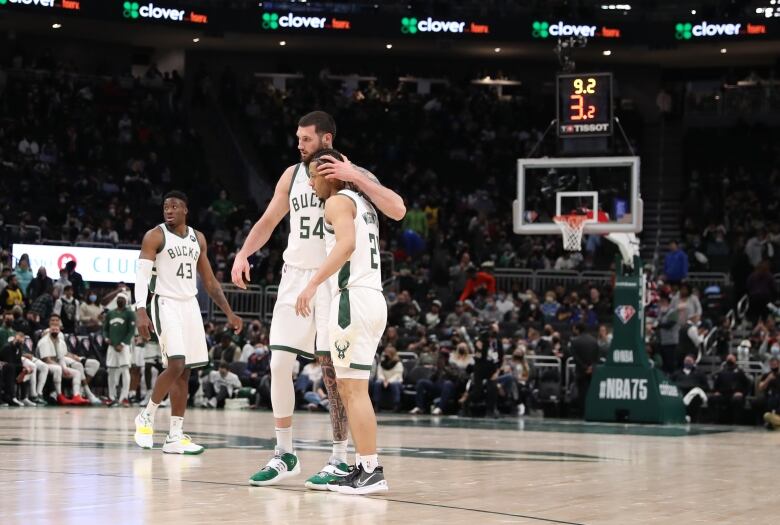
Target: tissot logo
[
  {"x": 413, "y": 25},
  {"x": 134, "y": 10},
  {"x": 273, "y": 21},
  {"x": 688, "y": 30}
]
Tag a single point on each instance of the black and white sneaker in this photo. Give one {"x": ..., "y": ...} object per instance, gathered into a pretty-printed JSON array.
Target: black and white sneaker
[{"x": 359, "y": 482}]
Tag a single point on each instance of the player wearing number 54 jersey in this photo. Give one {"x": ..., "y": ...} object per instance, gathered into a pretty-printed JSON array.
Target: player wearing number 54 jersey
[
  {"x": 292, "y": 335},
  {"x": 171, "y": 256}
]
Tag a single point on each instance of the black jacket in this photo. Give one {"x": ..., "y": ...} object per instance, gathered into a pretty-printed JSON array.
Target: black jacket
[
  {"x": 687, "y": 382},
  {"x": 585, "y": 351}
]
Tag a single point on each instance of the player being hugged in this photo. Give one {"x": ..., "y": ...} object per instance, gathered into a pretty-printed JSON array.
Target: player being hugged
[
  {"x": 358, "y": 314},
  {"x": 171, "y": 254}
]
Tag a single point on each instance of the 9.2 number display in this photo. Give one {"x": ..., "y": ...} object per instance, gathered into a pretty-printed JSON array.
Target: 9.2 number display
[{"x": 584, "y": 105}]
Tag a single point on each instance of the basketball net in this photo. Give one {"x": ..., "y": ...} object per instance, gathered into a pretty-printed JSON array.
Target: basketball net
[{"x": 571, "y": 227}]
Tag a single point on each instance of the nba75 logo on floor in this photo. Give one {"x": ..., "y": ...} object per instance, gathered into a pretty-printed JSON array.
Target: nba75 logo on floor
[{"x": 625, "y": 313}]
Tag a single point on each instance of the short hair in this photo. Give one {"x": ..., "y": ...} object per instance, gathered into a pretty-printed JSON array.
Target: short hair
[
  {"x": 322, "y": 122},
  {"x": 71, "y": 265},
  {"x": 580, "y": 328},
  {"x": 175, "y": 194},
  {"x": 54, "y": 317},
  {"x": 224, "y": 364},
  {"x": 318, "y": 157},
  {"x": 68, "y": 287}
]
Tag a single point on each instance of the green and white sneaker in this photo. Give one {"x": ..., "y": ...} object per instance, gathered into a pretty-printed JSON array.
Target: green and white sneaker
[
  {"x": 331, "y": 472},
  {"x": 181, "y": 445},
  {"x": 282, "y": 466},
  {"x": 144, "y": 431}
]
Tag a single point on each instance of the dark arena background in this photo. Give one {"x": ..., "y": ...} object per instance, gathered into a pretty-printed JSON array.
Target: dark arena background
[{"x": 581, "y": 282}]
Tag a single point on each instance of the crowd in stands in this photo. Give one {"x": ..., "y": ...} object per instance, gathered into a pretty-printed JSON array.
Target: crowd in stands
[{"x": 456, "y": 341}]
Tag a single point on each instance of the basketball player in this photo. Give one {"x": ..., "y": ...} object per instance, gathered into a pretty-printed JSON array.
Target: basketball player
[
  {"x": 171, "y": 254},
  {"x": 292, "y": 335},
  {"x": 358, "y": 315}
]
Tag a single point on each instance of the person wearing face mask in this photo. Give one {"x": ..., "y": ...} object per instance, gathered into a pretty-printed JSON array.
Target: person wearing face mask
[
  {"x": 693, "y": 386},
  {"x": 10, "y": 367},
  {"x": 222, "y": 384},
  {"x": 24, "y": 273},
  {"x": 67, "y": 307},
  {"x": 769, "y": 394},
  {"x": 461, "y": 357},
  {"x": 731, "y": 387},
  {"x": 89, "y": 313},
  {"x": 389, "y": 378}
]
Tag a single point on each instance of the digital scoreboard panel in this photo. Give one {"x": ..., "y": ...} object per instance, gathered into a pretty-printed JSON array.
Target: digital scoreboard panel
[{"x": 584, "y": 105}]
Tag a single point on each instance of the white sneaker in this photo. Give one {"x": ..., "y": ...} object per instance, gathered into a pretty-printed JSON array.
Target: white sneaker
[
  {"x": 181, "y": 445},
  {"x": 521, "y": 409},
  {"x": 144, "y": 431},
  {"x": 415, "y": 411},
  {"x": 26, "y": 402},
  {"x": 437, "y": 411},
  {"x": 212, "y": 402},
  {"x": 16, "y": 402}
]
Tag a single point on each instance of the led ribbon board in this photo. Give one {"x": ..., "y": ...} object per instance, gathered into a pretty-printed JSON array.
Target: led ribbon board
[
  {"x": 72, "y": 5},
  {"x": 274, "y": 21},
  {"x": 411, "y": 25},
  {"x": 542, "y": 29},
  {"x": 152, "y": 11},
  {"x": 704, "y": 29}
]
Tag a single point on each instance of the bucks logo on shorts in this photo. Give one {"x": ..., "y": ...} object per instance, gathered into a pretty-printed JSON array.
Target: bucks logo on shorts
[{"x": 341, "y": 347}]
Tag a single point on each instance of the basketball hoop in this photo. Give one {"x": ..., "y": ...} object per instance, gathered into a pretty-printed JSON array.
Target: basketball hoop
[{"x": 572, "y": 227}]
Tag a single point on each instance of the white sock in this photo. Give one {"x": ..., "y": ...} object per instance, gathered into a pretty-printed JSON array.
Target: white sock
[
  {"x": 357, "y": 459},
  {"x": 284, "y": 440},
  {"x": 151, "y": 409},
  {"x": 369, "y": 462},
  {"x": 340, "y": 451},
  {"x": 177, "y": 427}
]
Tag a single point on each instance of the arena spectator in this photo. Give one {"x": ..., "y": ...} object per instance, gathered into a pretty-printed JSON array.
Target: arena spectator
[
  {"x": 63, "y": 281},
  {"x": 12, "y": 294},
  {"x": 476, "y": 281},
  {"x": 668, "y": 331},
  {"x": 106, "y": 233},
  {"x": 761, "y": 290},
  {"x": 730, "y": 390},
  {"x": 41, "y": 284},
  {"x": 226, "y": 350},
  {"x": 222, "y": 384},
  {"x": 604, "y": 340},
  {"x": 67, "y": 308},
  {"x": 769, "y": 394},
  {"x": 759, "y": 248},
  {"x": 675, "y": 264},
  {"x": 10, "y": 369},
  {"x": 389, "y": 379},
  {"x": 585, "y": 352},
  {"x": 90, "y": 312},
  {"x": 54, "y": 352},
  {"x": 23, "y": 273},
  {"x": 693, "y": 386},
  {"x": 77, "y": 281}
]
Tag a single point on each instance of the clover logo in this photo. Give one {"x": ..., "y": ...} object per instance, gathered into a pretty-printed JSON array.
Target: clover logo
[
  {"x": 408, "y": 26},
  {"x": 683, "y": 31},
  {"x": 540, "y": 30},
  {"x": 130, "y": 9},
  {"x": 270, "y": 21}
]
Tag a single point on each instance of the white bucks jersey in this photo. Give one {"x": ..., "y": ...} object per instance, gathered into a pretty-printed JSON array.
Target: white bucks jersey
[
  {"x": 363, "y": 268},
  {"x": 175, "y": 268},
  {"x": 306, "y": 243}
]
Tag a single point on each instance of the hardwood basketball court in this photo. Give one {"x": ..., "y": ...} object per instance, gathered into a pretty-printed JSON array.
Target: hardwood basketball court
[{"x": 80, "y": 466}]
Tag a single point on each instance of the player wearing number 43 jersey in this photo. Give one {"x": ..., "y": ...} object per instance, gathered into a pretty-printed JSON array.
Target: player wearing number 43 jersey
[
  {"x": 292, "y": 335},
  {"x": 171, "y": 256},
  {"x": 358, "y": 314}
]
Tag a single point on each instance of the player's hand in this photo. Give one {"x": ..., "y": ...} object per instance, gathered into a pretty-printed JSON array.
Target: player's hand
[
  {"x": 143, "y": 323},
  {"x": 236, "y": 323},
  {"x": 334, "y": 169},
  {"x": 302, "y": 305},
  {"x": 240, "y": 272},
  {"x": 119, "y": 347}
]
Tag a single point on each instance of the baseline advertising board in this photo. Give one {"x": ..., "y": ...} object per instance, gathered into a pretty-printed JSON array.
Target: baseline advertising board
[{"x": 107, "y": 265}]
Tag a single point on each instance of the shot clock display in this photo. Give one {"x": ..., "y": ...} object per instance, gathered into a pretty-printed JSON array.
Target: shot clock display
[{"x": 584, "y": 105}]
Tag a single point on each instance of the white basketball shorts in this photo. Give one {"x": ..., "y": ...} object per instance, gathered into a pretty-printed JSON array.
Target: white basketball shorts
[
  {"x": 179, "y": 327},
  {"x": 358, "y": 317},
  {"x": 291, "y": 332}
]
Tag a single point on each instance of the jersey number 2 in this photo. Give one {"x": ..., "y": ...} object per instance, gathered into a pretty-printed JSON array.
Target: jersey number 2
[
  {"x": 180, "y": 271},
  {"x": 372, "y": 240}
]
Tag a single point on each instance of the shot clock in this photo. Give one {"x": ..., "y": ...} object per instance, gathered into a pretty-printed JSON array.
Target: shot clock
[{"x": 584, "y": 105}]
